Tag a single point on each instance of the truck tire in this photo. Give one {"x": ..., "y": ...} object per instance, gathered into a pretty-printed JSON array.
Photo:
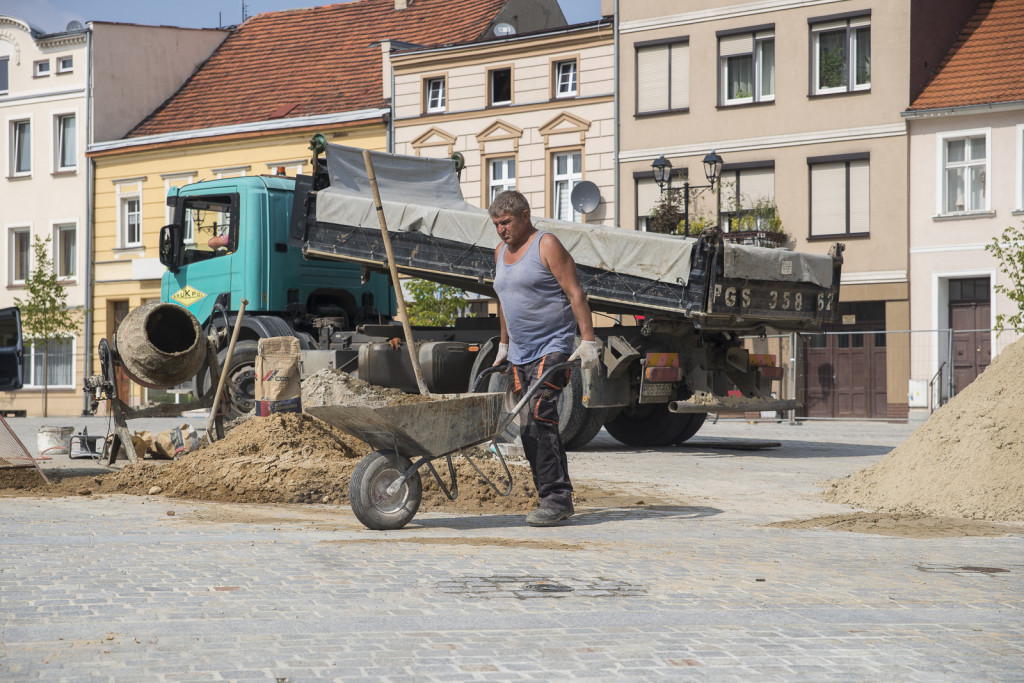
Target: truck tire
[
  {"x": 242, "y": 372},
  {"x": 593, "y": 420},
  {"x": 696, "y": 422},
  {"x": 648, "y": 425}
]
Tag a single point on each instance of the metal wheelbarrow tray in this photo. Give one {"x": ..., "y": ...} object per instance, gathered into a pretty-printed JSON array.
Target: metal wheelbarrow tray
[{"x": 386, "y": 489}]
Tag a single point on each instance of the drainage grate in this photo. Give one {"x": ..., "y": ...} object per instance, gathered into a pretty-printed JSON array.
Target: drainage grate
[{"x": 524, "y": 587}]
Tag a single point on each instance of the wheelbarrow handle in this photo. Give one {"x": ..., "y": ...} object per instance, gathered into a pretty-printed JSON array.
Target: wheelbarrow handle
[
  {"x": 500, "y": 367},
  {"x": 529, "y": 394}
]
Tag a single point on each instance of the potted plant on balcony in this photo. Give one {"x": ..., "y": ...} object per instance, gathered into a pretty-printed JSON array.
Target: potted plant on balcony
[{"x": 759, "y": 225}]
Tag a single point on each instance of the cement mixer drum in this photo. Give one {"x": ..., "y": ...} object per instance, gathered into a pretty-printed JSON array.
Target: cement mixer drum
[{"x": 160, "y": 345}]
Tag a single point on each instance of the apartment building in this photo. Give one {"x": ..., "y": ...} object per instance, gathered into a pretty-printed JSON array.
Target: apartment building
[
  {"x": 527, "y": 111},
  {"x": 802, "y": 100},
  {"x": 967, "y": 161},
  {"x": 59, "y": 92}
]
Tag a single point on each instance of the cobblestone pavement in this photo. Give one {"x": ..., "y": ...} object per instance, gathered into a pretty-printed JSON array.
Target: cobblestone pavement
[{"x": 691, "y": 586}]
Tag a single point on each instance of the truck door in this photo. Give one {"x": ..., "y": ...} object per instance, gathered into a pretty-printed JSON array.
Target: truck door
[
  {"x": 10, "y": 349},
  {"x": 211, "y": 246}
]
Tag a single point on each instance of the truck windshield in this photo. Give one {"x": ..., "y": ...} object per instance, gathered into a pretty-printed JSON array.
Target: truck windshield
[{"x": 210, "y": 227}]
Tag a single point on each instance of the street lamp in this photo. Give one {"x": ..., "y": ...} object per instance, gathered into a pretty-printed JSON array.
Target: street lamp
[{"x": 663, "y": 176}]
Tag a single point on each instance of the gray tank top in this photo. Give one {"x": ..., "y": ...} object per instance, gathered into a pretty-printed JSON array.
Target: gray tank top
[{"x": 537, "y": 313}]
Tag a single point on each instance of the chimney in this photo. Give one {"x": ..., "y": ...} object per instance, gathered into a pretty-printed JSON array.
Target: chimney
[{"x": 402, "y": 4}]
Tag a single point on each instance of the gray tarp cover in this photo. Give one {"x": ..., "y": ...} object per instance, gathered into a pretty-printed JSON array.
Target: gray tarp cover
[{"x": 424, "y": 195}]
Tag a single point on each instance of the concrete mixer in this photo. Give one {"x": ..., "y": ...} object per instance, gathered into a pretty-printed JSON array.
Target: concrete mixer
[{"x": 157, "y": 345}]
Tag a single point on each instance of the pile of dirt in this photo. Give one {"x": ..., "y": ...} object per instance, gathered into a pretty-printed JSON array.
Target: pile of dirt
[
  {"x": 291, "y": 458},
  {"x": 965, "y": 461}
]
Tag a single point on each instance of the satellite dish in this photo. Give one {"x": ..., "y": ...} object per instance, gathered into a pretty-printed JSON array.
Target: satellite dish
[
  {"x": 74, "y": 26},
  {"x": 504, "y": 29},
  {"x": 585, "y": 197}
]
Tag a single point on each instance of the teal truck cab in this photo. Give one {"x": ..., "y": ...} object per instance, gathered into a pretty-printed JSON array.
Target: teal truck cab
[{"x": 229, "y": 241}]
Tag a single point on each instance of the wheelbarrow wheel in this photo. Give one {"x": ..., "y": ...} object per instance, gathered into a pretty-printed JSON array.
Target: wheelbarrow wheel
[{"x": 368, "y": 492}]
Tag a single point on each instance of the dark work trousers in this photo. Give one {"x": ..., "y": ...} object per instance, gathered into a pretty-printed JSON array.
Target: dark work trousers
[{"x": 538, "y": 428}]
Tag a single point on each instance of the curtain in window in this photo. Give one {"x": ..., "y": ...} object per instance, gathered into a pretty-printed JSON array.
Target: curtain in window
[
  {"x": 862, "y": 49},
  {"x": 767, "y": 67},
  {"x": 67, "y": 142},
  {"x": 567, "y": 176},
  {"x": 59, "y": 359}
]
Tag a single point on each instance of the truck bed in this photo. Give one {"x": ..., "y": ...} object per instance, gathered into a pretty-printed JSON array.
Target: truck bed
[{"x": 437, "y": 236}]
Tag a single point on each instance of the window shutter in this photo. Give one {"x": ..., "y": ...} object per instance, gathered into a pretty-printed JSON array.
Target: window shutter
[
  {"x": 652, "y": 78},
  {"x": 731, "y": 46},
  {"x": 647, "y": 196},
  {"x": 757, "y": 183},
  {"x": 828, "y": 199},
  {"x": 680, "y": 86},
  {"x": 860, "y": 202}
]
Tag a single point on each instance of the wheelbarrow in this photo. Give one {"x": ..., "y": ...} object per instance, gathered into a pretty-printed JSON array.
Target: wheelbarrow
[{"x": 386, "y": 489}]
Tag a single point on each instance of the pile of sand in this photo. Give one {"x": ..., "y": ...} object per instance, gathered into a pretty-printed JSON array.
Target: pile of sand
[
  {"x": 291, "y": 458},
  {"x": 966, "y": 461}
]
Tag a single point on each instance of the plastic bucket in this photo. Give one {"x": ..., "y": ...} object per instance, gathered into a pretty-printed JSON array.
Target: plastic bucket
[{"x": 54, "y": 440}]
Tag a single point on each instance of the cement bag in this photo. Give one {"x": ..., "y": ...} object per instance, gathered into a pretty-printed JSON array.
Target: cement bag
[
  {"x": 278, "y": 389},
  {"x": 173, "y": 443}
]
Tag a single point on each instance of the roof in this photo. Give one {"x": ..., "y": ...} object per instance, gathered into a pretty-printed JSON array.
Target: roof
[
  {"x": 306, "y": 62},
  {"x": 985, "y": 64}
]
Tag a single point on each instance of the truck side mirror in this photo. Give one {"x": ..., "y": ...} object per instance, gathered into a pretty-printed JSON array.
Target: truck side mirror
[
  {"x": 10, "y": 349},
  {"x": 170, "y": 246}
]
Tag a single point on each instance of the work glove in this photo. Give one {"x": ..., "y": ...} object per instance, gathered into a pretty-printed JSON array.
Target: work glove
[
  {"x": 502, "y": 355},
  {"x": 586, "y": 352}
]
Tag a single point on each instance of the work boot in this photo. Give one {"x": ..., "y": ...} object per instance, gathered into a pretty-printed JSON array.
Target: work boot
[{"x": 547, "y": 516}]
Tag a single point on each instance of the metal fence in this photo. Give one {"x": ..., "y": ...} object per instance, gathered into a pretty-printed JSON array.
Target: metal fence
[{"x": 877, "y": 374}]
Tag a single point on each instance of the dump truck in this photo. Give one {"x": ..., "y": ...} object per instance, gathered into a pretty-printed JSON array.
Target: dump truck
[{"x": 683, "y": 303}]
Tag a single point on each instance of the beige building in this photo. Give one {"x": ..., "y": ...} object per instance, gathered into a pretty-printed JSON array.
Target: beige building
[
  {"x": 802, "y": 100},
  {"x": 60, "y": 92},
  {"x": 532, "y": 112}
]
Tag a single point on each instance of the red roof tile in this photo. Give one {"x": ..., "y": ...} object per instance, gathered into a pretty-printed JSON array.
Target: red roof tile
[
  {"x": 985, "y": 65},
  {"x": 312, "y": 61}
]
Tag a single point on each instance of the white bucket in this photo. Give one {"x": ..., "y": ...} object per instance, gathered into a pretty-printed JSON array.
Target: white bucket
[{"x": 54, "y": 440}]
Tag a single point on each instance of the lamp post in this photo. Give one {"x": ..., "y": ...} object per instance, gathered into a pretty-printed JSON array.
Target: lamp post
[{"x": 663, "y": 176}]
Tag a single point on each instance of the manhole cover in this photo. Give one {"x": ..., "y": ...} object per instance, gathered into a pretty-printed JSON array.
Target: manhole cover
[{"x": 547, "y": 588}]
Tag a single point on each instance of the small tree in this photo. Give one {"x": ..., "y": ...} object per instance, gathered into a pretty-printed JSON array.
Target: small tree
[
  {"x": 668, "y": 216},
  {"x": 45, "y": 315},
  {"x": 433, "y": 303},
  {"x": 1007, "y": 248}
]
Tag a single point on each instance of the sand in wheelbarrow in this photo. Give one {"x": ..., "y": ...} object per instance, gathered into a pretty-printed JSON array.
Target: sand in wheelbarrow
[
  {"x": 292, "y": 458},
  {"x": 966, "y": 461}
]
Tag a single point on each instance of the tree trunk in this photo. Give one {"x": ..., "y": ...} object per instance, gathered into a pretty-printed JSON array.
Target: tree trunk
[{"x": 46, "y": 375}]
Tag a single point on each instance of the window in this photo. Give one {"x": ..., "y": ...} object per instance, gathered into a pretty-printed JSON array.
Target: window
[
  {"x": 4, "y": 61},
  {"x": 747, "y": 196},
  {"x": 1020, "y": 167},
  {"x": 565, "y": 79},
  {"x": 20, "y": 251},
  {"x": 60, "y": 360},
  {"x": 964, "y": 173},
  {"x": 21, "y": 147},
  {"x": 211, "y": 226},
  {"x": 502, "y": 176},
  {"x": 568, "y": 173},
  {"x": 648, "y": 194},
  {"x": 840, "y": 191},
  {"x": 747, "y": 66},
  {"x": 842, "y": 55},
  {"x": 65, "y": 257},
  {"x": 435, "y": 94},
  {"x": 131, "y": 222},
  {"x": 65, "y": 64},
  {"x": 662, "y": 77},
  {"x": 500, "y": 87},
  {"x": 65, "y": 142},
  {"x": 40, "y": 69}
]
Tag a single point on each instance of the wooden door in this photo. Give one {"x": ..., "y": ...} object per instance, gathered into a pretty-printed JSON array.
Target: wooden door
[{"x": 972, "y": 341}]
